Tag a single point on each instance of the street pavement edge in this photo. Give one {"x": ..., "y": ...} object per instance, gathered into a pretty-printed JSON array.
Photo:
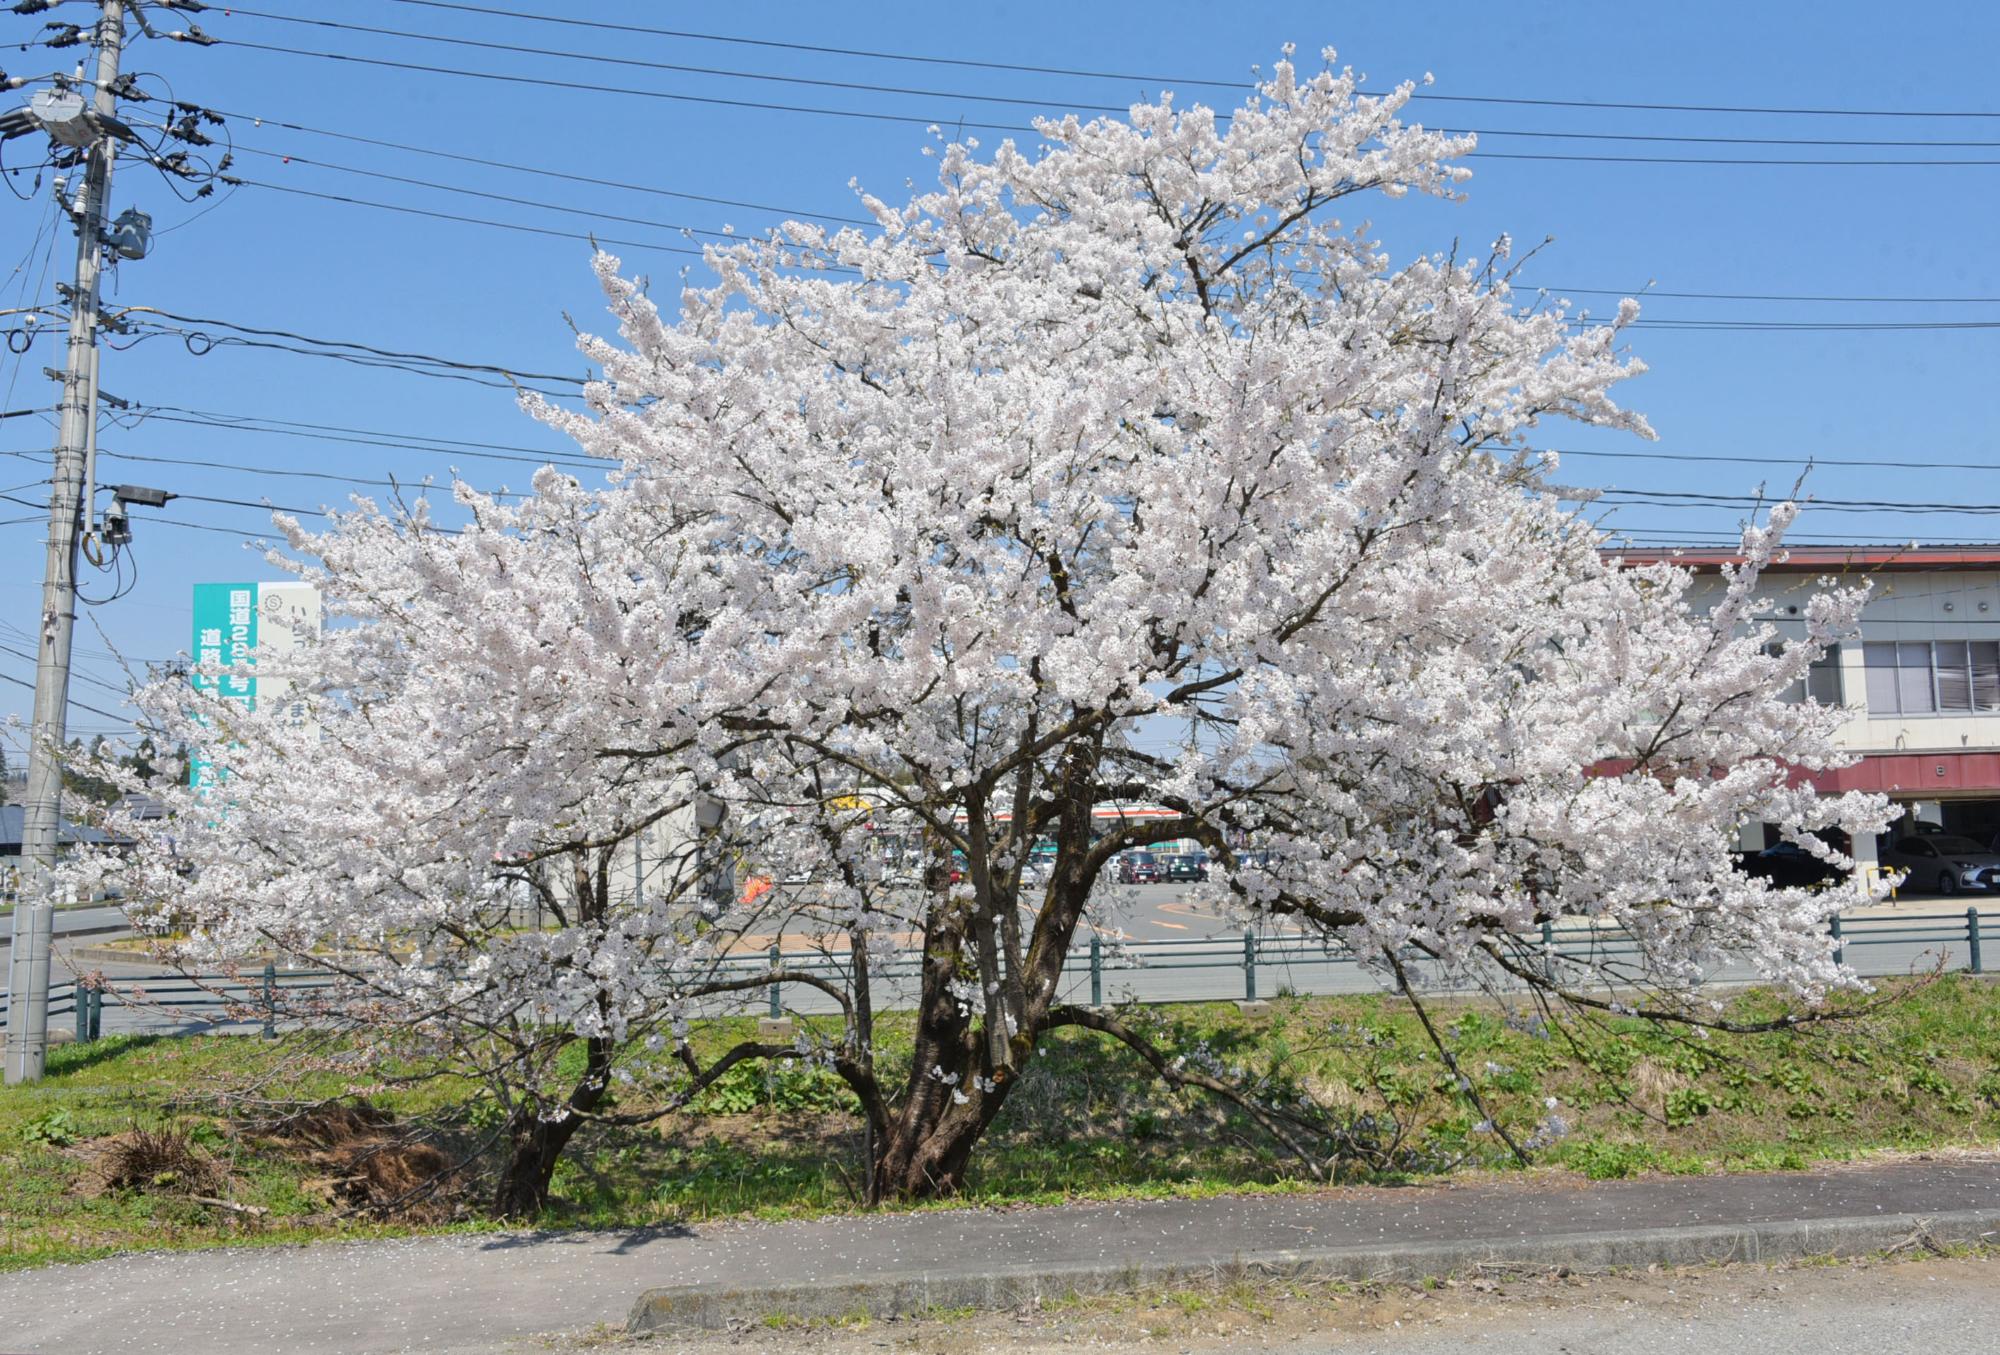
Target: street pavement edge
[{"x": 717, "y": 1306}]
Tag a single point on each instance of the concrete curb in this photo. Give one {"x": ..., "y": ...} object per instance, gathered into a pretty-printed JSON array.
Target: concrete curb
[
  {"x": 109, "y": 954},
  {"x": 1000, "y": 1287},
  {"x": 103, "y": 954}
]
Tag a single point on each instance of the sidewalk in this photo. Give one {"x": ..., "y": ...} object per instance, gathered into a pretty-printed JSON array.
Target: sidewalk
[{"x": 472, "y": 1293}]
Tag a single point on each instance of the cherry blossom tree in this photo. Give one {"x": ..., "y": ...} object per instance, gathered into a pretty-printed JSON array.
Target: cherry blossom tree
[{"x": 1119, "y": 469}]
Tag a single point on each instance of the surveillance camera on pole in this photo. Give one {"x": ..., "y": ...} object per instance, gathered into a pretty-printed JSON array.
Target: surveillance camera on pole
[{"x": 117, "y": 529}]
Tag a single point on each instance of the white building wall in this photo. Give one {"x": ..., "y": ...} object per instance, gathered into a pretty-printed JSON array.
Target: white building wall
[
  {"x": 1908, "y": 606},
  {"x": 658, "y": 862},
  {"x": 1912, "y": 606}
]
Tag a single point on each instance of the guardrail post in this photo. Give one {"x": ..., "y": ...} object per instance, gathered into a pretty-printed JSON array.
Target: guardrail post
[
  {"x": 777, "y": 1005},
  {"x": 1833, "y": 926},
  {"x": 1548, "y": 936},
  {"x": 1096, "y": 972},
  {"x": 270, "y": 1000},
  {"x": 82, "y": 1012},
  {"x": 1972, "y": 938},
  {"x": 1249, "y": 966},
  {"x": 96, "y": 1013}
]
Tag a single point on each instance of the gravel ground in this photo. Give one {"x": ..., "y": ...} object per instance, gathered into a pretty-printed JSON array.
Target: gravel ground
[{"x": 1932, "y": 1306}]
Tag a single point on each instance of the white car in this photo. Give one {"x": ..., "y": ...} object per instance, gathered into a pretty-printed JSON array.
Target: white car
[{"x": 1943, "y": 862}]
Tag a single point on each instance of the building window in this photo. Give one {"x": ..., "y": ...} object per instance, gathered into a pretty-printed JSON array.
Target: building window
[
  {"x": 1821, "y": 682},
  {"x": 1933, "y": 677}
]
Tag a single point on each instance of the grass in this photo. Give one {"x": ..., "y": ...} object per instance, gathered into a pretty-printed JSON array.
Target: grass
[{"x": 776, "y": 1141}]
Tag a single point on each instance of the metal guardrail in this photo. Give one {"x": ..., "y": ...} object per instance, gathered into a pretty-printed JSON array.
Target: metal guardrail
[
  {"x": 1254, "y": 953},
  {"x": 207, "y": 998},
  {"x": 215, "y": 998}
]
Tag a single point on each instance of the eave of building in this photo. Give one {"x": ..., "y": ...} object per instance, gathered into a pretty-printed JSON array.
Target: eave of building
[{"x": 1824, "y": 559}]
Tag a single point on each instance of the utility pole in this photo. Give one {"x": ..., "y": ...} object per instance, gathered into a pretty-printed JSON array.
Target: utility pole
[{"x": 34, "y": 912}]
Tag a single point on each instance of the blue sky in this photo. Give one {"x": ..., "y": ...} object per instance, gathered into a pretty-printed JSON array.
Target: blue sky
[{"x": 411, "y": 283}]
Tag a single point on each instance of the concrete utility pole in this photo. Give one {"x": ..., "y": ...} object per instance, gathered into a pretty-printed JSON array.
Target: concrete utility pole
[{"x": 34, "y": 914}]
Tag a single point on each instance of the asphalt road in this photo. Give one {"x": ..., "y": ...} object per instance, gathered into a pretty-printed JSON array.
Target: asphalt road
[
  {"x": 493, "y": 1292},
  {"x": 68, "y": 921}
]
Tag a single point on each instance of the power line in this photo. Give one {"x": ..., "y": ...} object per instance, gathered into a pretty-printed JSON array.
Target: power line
[
  {"x": 589, "y": 239},
  {"x": 267, "y": 506},
  {"x": 577, "y": 459},
  {"x": 369, "y": 349},
  {"x": 205, "y": 527},
  {"x": 431, "y": 529},
  {"x": 765, "y": 76},
  {"x": 126, "y": 723},
  {"x": 1700, "y": 324},
  {"x": 1643, "y": 293},
  {"x": 1806, "y": 461},
  {"x": 426, "y": 485},
  {"x": 77, "y": 674},
  {"x": 1129, "y": 77},
  {"x": 372, "y": 438},
  {"x": 1730, "y": 538},
  {"x": 771, "y": 77},
  {"x": 423, "y": 486},
  {"x": 1754, "y": 161},
  {"x": 201, "y": 344},
  {"x": 224, "y": 419},
  {"x": 439, "y": 153},
  {"x": 48, "y": 255},
  {"x": 607, "y": 26},
  {"x": 27, "y": 637},
  {"x": 482, "y": 193},
  {"x": 1670, "y": 498},
  {"x": 596, "y": 180},
  {"x": 915, "y": 120},
  {"x": 1705, "y": 325},
  {"x": 600, "y": 88}
]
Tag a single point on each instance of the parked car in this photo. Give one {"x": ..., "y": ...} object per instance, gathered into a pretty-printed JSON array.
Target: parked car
[
  {"x": 1944, "y": 862},
  {"x": 1138, "y": 868},
  {"x": 1789, "y": 866},
  {"x": 1185, "y": 869}
]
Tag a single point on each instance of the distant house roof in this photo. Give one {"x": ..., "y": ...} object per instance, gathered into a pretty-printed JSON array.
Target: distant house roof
[
  {"x": 13, "y": 820},
  {"x": 142, "y": 806}
]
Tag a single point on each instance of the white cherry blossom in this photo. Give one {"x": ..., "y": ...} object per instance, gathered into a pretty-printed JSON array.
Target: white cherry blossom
[{"x": 1120, "y": 468}]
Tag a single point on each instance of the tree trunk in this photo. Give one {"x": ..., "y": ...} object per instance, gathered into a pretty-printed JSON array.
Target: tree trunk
[
  {"x": 925, "y": 1150},
  {"x": 536, "y": 1142},
  {"x": 537, "y": 1147},
  {"x": 921, "y": 1161}
]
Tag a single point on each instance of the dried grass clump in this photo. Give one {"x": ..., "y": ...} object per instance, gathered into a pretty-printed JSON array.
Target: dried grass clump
[
  {"x": 331, "y": 1124},
  {"x": 158, "y": 1161},
  {"x": 369, "y": 1162},
  {"x": 391, "y": 1178}
]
